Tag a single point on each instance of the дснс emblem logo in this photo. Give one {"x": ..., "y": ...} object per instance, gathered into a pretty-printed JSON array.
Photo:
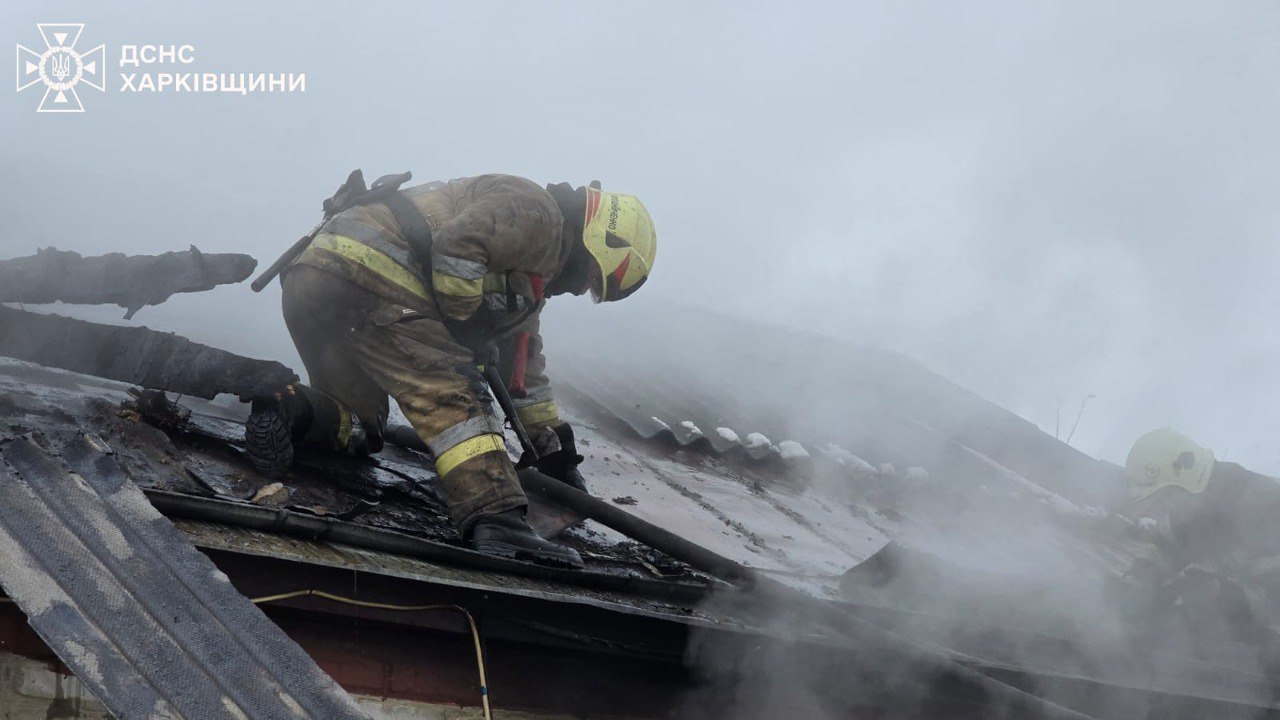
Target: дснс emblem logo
[{"x": 61, "y": 67}]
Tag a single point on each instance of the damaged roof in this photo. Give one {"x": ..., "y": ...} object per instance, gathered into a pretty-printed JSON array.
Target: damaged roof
[
  {"x": 199, "y": 454},
  {"x": 146, "y": 622},
  {"x": 801, "y": 457}
]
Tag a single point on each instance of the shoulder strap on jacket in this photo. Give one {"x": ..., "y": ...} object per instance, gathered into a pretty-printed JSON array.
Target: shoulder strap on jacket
[{"x": 416, "y": 229}]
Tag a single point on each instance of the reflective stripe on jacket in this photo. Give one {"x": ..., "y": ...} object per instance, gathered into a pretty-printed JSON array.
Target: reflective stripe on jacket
[{"x": 490, "y": 234}]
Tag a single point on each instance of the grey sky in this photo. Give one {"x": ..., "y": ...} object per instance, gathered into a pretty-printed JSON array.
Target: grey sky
[{"x": 1038, "y": 200}]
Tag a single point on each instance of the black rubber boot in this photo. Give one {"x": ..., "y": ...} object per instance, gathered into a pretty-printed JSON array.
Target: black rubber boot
[
  {"x": 508, "y": 535},
  {"x": 270, "y": 431}
]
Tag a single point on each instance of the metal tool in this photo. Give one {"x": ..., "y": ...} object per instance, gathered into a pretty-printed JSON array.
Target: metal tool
[
  {"x": 530, "y": 454},
  {"x": 349, "y": 194}
]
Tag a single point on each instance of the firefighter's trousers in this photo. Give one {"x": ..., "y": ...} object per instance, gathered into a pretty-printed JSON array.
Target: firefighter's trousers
[{"x": 359, "y": 349}]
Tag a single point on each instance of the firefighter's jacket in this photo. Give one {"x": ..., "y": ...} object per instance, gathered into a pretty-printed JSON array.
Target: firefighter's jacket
[
  {"x": 1230, "y": 532},
  {"x": 497, "y": 241}
]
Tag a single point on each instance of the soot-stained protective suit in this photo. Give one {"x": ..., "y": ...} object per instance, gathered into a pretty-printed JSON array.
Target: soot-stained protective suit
[{"x": 369, "y": 323}]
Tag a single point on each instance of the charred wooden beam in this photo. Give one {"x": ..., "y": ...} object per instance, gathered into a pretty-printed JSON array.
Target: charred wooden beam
[
  {"x": 130, "y": 281},
  {"x": 137, "y": 355}
]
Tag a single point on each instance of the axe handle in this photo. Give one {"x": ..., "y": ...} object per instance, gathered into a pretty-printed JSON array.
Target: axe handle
[
  {"x": 509, "y": 409},
  {"x": 289, "y": 256}
]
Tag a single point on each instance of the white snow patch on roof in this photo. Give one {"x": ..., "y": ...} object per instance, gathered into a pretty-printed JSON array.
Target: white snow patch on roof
[
  {"x": 792, "y": 450},
  {"x": 659, "y": 422},
  {"x": 917, "y": 474},
  {"x": 694, "y": 430},
  {"x": 728, "y": 434},
  {"x": 887, "y": 469},
  {"x": 756, "y": 440}
]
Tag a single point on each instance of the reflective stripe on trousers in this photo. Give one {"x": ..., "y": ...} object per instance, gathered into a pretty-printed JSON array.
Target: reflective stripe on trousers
[
  {"x": 468, "y": 439},
  {"x": 537, "y": 408}
]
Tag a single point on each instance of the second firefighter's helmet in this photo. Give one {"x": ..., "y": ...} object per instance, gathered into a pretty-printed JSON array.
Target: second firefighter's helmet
[
  {"x": 1165, "y": 458},
  {"x": 619, "y": 235}
]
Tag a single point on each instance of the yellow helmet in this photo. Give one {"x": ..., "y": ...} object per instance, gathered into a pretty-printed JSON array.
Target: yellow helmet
[
  {"x": 1164, "y": 458},
  {"x": 619, "y": 235}
]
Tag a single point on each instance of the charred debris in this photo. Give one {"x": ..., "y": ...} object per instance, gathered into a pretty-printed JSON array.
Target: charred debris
[{"x": 134, "y": 355}]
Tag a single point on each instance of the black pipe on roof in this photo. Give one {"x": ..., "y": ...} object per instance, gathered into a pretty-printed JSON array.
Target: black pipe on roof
[{"x": 311, "y": 527}]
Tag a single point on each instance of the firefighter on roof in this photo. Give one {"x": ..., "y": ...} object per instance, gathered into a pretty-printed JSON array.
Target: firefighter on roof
[
  {"x": 1213, "y": 523},
  {"x": 370, "y": 320}
]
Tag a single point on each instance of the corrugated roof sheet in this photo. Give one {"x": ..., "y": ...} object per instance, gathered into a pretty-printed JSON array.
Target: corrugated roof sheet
[
  {"x": 727, "y": 385},
  {"x": 143, "y": 618}
]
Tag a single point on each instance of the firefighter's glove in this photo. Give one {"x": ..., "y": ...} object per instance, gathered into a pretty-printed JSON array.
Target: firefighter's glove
[
  {"x": 559, "y": 456},
  {"x": 474, "y": 333}
]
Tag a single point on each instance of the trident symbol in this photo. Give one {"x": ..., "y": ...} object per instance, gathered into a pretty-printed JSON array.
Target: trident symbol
[{"x": 60, "y": 66}]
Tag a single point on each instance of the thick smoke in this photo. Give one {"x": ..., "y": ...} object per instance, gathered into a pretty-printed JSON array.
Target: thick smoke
[{"x": 1033, "y": 575}]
